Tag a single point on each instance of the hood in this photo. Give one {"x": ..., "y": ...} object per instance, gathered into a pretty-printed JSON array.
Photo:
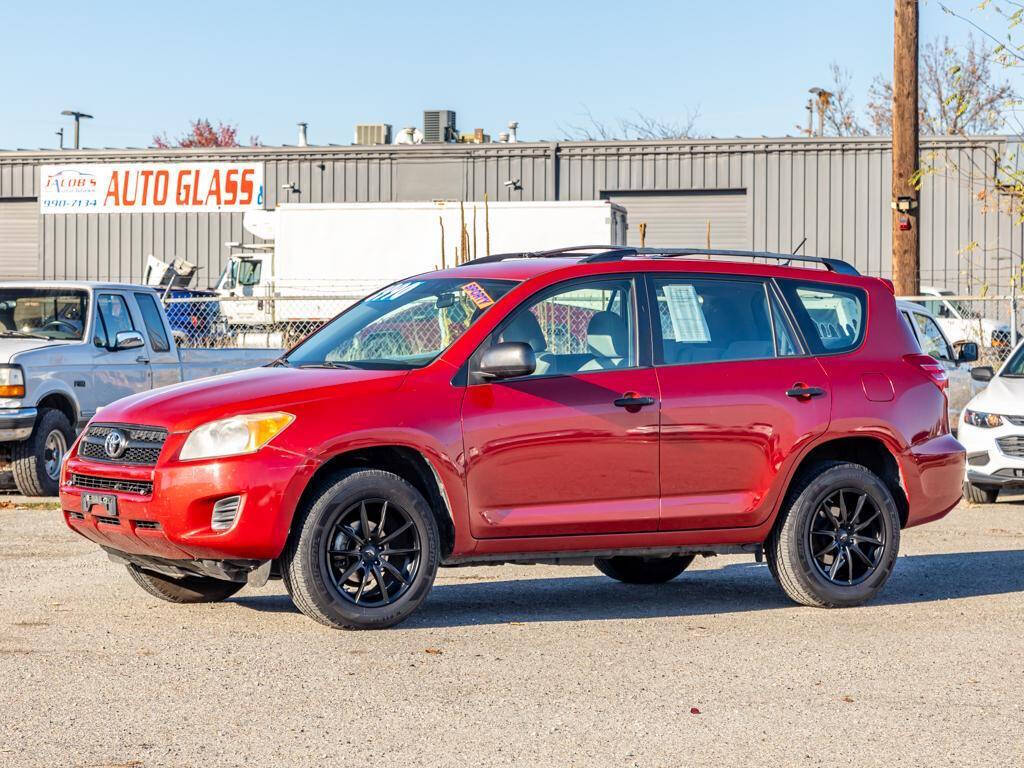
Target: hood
[
  {"x": 1002, "y": 395},
  {"x": 13, "y": 345},
  {"x": 182, "y": 407}
]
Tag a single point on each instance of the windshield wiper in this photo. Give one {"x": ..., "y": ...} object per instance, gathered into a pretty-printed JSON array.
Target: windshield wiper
[
  {"x": 327, "y": 364},
  {"x": 25, "y": 335}
]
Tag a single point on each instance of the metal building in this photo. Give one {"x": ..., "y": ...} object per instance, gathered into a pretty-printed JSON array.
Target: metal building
[{"x": 750, "y": 193}]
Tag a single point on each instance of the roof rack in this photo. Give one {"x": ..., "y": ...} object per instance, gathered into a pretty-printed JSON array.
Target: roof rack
[{"x": 618, "y": 252}]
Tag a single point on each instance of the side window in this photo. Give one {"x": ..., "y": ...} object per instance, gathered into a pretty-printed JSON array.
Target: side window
[
  {"x": 584, "y": 326},
  {"x": 113, "y": 316},
  {"x": 785, "y": 344},
  {"x": 703, "y": 320},
  {"x": 154, "y": 322},
  {"x": 932, "y": 341},
  {"x": 831, "y": 316},
  {"x": 249, "y": 271}
]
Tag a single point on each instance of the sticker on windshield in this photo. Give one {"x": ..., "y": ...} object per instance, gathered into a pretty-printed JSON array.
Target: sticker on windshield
[
  {"x": 393, "y": 292},
  {"x": 688, "y": 323},
  {"x": 478, "y": 295}
]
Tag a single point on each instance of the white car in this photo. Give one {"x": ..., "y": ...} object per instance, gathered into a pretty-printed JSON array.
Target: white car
[
  {"x": 992, "y": 431},
  {"x": 955, "y": 358},
  {"x": 961, "y": 323}
]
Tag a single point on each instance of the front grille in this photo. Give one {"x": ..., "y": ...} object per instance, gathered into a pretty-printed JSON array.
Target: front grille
[
  {"x": 149, "y": 525},
  {"x": 93, "y": 483},
  {"x": 143, "y": 444},
  {"x": 107, "y": 520},
  {"x": 1012, "y": 445},
  {"x": 75, "y": 515},
  {"x": 1017, "y": 421}
]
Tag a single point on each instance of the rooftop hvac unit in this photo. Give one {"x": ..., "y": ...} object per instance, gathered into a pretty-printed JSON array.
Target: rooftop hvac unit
[
  {"x": 375, "y": 133},
  {"x": 439, "y": 126}
]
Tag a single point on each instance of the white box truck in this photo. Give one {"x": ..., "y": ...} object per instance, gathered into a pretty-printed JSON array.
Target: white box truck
[{"x": 344, "y": 251}]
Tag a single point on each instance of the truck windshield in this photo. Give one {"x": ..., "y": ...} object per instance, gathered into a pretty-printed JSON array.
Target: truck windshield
[
  {"x": 43, "y": 313},
  {"x": 405, "y": 325}
]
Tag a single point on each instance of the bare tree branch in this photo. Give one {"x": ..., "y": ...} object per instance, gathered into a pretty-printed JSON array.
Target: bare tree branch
[{"x": 639, "y": 127}]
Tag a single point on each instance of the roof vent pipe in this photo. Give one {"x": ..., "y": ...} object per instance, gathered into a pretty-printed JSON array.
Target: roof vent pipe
[
  {"x": 303, "y": 139},
  {"x": 512, "y": 126}
]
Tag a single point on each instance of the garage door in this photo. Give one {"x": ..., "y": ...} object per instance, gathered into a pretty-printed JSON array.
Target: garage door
[
  {"x": 19, "y": 239},
  {"x": 681, "y": 219}
]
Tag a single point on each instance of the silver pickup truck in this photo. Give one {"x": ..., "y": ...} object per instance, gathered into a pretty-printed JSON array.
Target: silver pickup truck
[{"x": 69, "y": 348}]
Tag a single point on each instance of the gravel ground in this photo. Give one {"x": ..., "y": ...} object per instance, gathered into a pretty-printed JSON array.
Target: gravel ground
[{"x": 524, "y": 665}]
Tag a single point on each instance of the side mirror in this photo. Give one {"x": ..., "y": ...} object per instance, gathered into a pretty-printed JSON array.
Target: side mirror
[
  {"x": 128, "y": 340},
  {"x": 982, "y": 373},
  {"x": 508, "y": 359},
  {"x": 967, "y": 352}
]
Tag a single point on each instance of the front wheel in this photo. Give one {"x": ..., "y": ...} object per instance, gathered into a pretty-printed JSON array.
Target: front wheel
[
  {"x": 631, "y": 569},
  {"x": 837, "y": 537},
  {"x": 35, "y": 462},
  {"x": 977, "y": 494},
  {"x": 364, "y": 553}
]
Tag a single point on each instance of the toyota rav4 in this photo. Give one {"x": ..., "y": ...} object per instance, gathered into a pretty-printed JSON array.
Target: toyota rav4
[{"x": 630, "y": 407}]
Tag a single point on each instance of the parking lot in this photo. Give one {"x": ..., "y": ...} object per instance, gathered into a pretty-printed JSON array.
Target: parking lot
[{"x": 534, "y": 665}]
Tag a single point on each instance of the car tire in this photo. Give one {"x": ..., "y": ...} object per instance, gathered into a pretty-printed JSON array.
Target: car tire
[
  {"x": 35, "y": 462},
  {"x": 631, "y": 569},
  {"x": 188, "y": 589},
  {"x": 363, "y": 552},
  {"x": 979, "y": 494},
  {"x": 835, "y": 511}
]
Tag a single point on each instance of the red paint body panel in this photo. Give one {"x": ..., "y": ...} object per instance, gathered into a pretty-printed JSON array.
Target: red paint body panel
[{"x": 547, "y": 464}]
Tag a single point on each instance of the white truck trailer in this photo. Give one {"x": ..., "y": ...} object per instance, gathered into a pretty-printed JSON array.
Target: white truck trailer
[{"x": 348, "y": 250}]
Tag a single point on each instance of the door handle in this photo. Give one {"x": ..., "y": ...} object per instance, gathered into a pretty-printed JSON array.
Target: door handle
[
  {"x": 141, "y": 359},
  {"x": 631, "y": 400},
  {"x": 804, "y": 392}
]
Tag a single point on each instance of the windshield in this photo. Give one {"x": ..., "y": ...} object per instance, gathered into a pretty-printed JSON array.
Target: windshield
[
  {"x": 43, "y": 313},
  {"x": 1014, "y": 367},
  {"x": 405, "y": 325}
]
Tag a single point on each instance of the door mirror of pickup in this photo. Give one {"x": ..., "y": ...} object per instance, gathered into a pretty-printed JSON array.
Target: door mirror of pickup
[
  {"x": 982, "y": 373},
  {"x": 966, "y": 352},
  {"x": 128, "y": 340},
  {"x": 508, "y": 359}
]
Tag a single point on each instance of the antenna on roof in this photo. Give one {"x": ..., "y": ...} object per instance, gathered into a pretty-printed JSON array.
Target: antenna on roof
[{"x": 797, "y": 249}]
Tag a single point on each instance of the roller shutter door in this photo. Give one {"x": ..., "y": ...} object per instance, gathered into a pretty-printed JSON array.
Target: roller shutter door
[
  {"x": 19, "y": 239},
  {"x": 681, "y": 219}
]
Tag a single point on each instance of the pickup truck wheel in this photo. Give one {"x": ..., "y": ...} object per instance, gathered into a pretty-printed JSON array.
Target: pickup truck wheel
[
  {"x": 977, "y": 494},
  {"x": 837, "y": 537},
  {"x": 364, "y": 552},
  {"x": 35, "y": 462},
  {"x": 643, "y": 570},
  {"x": 189, "y": 589}
]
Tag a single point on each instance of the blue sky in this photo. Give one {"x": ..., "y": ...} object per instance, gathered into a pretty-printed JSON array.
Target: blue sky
[{"x": 744, "y": 65}]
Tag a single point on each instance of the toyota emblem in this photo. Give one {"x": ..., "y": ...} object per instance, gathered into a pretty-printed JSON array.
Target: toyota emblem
[{"x": 115, "y": 444}]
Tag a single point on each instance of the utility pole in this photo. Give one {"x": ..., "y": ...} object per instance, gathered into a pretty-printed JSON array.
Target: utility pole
[
  {"x": 78, "y": 118},
  {"x": 906, "y": 235}
]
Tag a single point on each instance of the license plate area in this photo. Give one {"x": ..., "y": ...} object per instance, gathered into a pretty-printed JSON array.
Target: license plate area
[{"x": 107, "y": 501}]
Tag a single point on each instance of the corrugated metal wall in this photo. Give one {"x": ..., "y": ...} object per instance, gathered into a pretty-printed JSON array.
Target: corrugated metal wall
[{"x": 835, "y": 192}]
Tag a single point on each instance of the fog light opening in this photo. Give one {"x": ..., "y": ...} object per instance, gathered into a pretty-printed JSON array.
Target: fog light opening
[{"x": 225, "y": 512}]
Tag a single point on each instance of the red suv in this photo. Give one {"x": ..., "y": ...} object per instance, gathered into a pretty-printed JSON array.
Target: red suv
[{"x": 630, "y": 407}]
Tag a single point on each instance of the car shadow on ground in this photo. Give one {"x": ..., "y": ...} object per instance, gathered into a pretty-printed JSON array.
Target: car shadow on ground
[{"x": 735, "y": 588}]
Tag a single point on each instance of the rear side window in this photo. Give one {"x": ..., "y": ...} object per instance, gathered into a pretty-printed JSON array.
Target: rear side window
[
  {"x": 706, "y": 320},
  {"x": 830, "y": 316},
  {"x": 154, "y": 322}
]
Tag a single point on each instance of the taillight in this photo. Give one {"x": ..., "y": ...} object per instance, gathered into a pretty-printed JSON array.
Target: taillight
[{"x": 931, "y": 367}]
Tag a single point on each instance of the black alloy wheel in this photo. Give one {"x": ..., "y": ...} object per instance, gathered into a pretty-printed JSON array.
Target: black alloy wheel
[
  {"x": 372, "y": 553},
  {"x": 846, "y": 536}
]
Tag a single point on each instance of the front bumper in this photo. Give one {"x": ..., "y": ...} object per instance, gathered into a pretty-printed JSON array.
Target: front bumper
[
  {"x": 16, "y": 423},
  {"x": 989, "y": 464},
  {"x": 173, "y": 522}
]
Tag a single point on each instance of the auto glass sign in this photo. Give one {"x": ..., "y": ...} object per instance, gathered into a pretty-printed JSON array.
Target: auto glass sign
[{"x": 151, "y": 188}]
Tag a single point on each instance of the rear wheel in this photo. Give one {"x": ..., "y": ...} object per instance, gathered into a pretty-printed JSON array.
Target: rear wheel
[
  {"x": 837, "y": 537},
  {"x": 632, "y": 569},
  {"x": 188, "y": 589},
  {"x": 978, "y": 494},
  {"x": 364, "y": 553},
  {"x": 35, "y": 462}
]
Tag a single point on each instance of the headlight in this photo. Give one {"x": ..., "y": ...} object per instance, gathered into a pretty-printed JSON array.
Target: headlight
[
  {"x": 984, "y": 420},
  {"x": 235, "y": 435},
  {"x": 12, "y": 381}
]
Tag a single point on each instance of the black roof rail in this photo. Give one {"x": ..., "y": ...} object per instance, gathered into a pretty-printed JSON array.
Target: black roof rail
[{"x": 619, "y": 252}]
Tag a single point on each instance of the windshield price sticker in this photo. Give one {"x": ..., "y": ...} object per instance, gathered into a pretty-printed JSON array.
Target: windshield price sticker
[
  {"x": 393, "y": 292},
  {"x": 688, "y": 323},
  {"x": 478, "y": 295}
]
